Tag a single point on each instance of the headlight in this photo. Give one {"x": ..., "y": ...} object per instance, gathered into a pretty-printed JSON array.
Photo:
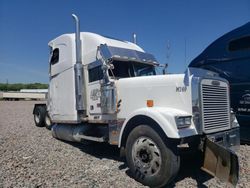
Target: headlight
[{"x": 183, "y": 122}]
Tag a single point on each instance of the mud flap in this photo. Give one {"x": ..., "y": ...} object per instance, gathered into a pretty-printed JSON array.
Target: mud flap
[{"x": 221, "y": 162}]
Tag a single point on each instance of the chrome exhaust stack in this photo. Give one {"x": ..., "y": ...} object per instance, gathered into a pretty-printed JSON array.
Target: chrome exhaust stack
[
  {"x": 79, "y": 74},
  {"x": 134, "y": 38},
  {"x": 78, "y": 40}
]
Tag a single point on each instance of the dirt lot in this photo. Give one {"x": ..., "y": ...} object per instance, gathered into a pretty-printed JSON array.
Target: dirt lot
[{"x": 30, "y": 157}]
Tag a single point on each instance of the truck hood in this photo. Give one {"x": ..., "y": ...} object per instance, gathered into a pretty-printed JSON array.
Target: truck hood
[{"x": 168, "y": 91}]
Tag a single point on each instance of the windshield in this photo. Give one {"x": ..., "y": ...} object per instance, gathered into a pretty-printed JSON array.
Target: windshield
[
  {"x": 126, "y": 69},
  {"x": 235, "y": 71}
]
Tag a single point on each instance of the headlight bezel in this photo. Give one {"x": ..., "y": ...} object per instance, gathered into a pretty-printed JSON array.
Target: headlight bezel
[{"x": 183, "y": 121}]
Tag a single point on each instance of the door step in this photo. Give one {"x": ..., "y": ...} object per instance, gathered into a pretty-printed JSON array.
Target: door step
[{"x": 92, "y": 138}]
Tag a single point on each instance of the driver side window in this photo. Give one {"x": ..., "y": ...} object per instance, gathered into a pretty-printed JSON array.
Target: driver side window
[{"x": 55, "y": 56}]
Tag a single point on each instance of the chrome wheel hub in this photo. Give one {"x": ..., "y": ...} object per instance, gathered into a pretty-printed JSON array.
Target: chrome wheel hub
[
  {"x": 146, "y": 156},
  {"x": 47, "y": 120}
]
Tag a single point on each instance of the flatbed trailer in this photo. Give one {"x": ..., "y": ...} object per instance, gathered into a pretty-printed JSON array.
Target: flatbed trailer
[{"x": 16, "y": 96}]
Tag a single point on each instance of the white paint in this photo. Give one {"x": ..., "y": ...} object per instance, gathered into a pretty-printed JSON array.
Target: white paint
[
  {"x": 61, "y": 101},
  {"x": 171, "y": 93},
  {"x": 34, "y": 90},
  {"x": 168, "y": 103},
  {"x": 165, "y": 118}
]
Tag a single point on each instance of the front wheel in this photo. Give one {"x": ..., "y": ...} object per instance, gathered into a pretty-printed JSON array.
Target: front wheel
[{"x": 150, "y": 161}]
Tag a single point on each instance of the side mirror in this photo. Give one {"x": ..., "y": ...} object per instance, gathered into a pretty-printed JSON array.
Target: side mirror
[
  {"x": 104, "y": 52},
  {"x": 105, "y": 67},
  {"x": 111, "y": 66}
]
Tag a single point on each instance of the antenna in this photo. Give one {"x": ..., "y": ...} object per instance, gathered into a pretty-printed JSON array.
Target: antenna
[
  {"x": 168, "y": 47},
  {"x": 185, "y": 56}
]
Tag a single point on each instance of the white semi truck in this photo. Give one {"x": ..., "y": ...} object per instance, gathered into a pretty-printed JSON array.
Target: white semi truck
[{"x": 106, "y": 90}]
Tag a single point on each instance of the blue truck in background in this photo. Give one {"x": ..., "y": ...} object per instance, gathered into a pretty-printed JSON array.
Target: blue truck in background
[{"x": 229, "y": 56}]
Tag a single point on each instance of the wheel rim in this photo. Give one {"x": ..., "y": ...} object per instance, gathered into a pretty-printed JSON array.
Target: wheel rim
[
  {"x": 47, "y": 121},
  {"x": 37, "y": 117},
  {"x": 146, "y": 156}
]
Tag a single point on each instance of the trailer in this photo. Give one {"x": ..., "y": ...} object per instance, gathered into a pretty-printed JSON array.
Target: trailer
[
  {"x": 107, "y": 90},
  {"x": 15, "y": 96},
  {"x": 229, "y": 56}
]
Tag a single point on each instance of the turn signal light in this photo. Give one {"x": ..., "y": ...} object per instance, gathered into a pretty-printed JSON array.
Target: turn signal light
[{"x": 150, "y": 103}]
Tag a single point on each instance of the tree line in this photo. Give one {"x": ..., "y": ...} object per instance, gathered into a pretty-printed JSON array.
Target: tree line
[{"x": 19, "y": 86}]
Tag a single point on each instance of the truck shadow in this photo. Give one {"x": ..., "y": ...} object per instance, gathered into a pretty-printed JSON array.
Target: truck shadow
[
  {"x": 190, "y": 165},
  {"x": 98, "y": 150}
]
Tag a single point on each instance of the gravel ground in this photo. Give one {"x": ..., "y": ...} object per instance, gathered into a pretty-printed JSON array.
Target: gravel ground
[{"x": 30, "y": 157}]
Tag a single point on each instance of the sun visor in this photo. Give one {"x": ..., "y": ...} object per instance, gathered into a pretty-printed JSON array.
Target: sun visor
[{"x": 114, "y": 53}]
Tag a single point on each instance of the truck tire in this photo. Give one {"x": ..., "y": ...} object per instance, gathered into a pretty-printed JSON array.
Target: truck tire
[
  {"x": 39, "y": 116},
  {"x": 149, "y": 159},
  {"x": 47, "y": 121}
]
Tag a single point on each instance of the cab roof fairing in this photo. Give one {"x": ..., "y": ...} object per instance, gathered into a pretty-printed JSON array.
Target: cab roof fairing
[
  {"x": 91, "y": 41},
  {"x": 218, "y": 50}
]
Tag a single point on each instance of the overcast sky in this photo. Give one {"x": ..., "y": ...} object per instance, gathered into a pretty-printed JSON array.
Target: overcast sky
[{"x": 26, "y": 27}]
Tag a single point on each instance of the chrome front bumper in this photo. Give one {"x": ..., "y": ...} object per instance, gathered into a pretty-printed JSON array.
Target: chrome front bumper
[{"x": 229, "y": 139}]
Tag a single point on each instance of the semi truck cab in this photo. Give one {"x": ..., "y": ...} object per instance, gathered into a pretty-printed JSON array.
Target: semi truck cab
[{"x": 108, "y": 90}]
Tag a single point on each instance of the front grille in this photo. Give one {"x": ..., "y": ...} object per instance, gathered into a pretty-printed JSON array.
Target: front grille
[{"x": 215, "y": 106}]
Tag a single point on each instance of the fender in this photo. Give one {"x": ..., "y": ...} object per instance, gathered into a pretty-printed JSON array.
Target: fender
[{"x": 165, "y": 118}]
